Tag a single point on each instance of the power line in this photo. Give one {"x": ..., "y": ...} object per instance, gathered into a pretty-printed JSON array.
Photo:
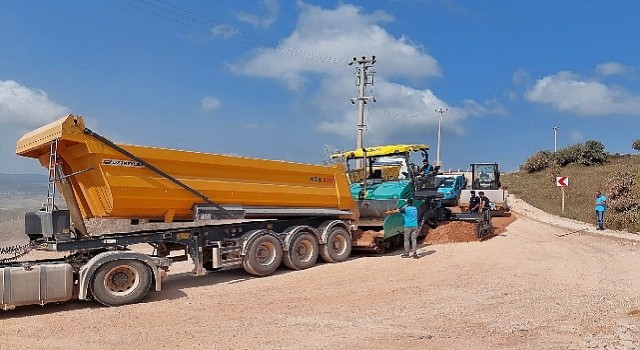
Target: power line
[{"x": 174, "y": 13}]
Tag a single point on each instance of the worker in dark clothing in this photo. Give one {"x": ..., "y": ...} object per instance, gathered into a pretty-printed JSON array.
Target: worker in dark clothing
[
  {"x": 485, "y": 203},
  {"x": 485, "y": 206},
  {"x": 474, "y": 202},
  {"x": 426, "y": 167}
]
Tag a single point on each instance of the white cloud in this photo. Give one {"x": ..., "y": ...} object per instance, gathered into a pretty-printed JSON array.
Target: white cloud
[
  {"x": 22, "y": 109},
  {"x": 402, "y": 110},
  {"x": 210, "y": 103},
  {"x": 613, "y": 68},
  {"x": 21, "y": 106},
  {"x": 347, "y": 31},
  {"x": 273, "y": 9},
  {"x": 342, "y": 33},
  {"x": 566, "y": 91}
]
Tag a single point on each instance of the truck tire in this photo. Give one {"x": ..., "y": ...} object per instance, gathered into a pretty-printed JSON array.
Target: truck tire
[
  {"x": 338, "y": 246},
  {"x": 303, "y": 252},
  {"x": 263, "y": 256},
  {"x": 121, "y": 282}
]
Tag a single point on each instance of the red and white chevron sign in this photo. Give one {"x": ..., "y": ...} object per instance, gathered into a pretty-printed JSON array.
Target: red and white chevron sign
[{"x": 562, "y": 181}]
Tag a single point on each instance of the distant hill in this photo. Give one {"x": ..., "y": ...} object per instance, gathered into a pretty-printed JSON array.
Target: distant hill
[
  {"x": 22, "y": 190},
  {"x": 22, "y": 183}
]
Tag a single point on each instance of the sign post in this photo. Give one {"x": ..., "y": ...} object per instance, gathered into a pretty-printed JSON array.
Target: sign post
[{"x": 562, "y": 182}]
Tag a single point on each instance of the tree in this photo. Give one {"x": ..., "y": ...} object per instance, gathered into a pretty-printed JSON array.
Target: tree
[
  {"x": 593, "y": 153},
  {"x": 636, "y": 144}
]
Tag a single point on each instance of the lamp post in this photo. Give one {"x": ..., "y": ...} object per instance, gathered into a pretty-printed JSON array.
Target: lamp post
[
  {"x": 440, "y": 111},
  {"x": 555, "y": 138}
]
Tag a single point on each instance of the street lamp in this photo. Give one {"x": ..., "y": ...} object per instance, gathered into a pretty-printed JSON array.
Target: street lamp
[
  {"x": 441, "y": 111},
  {"x": 555, "y": 138}
]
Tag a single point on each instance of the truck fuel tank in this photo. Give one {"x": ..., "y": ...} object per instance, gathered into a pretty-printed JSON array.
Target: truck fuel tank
[{"x": 38, "y": 284}]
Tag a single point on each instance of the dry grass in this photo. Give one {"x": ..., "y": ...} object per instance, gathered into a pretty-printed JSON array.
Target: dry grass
[{"x": 539, "y": 189}]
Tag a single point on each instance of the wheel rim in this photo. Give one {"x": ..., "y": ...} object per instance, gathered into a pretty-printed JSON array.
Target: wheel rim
[
  {"x": 303, "y": 250},
  {"x": 339, "y": 244},
  {"x": 121, "y": 280},
  {"x": 266, "y": 253}
]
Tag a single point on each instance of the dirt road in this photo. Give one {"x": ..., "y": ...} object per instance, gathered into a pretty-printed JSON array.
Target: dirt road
[{"x": 535, "y": 286}]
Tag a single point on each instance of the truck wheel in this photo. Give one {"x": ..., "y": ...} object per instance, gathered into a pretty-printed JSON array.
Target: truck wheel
[
  {"x": 338, "y": 247},
  {"x": 121, "y": 282},
  {"x": 263, "y": 256},
  {"x": 303, "y": 252}
]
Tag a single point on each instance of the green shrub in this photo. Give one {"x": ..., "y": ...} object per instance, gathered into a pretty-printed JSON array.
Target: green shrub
[
  {"x": 627, "y": 221},
  {"x": 619, "y": 190},
  {"x": 589, "y": 153},
  {"x": 592, "y": 153},
  {"x": 553, "y": 171},
  {"x": 537, "y": 162},
  {"x": 622, "y": 201},
  {"x": 568, "y": 155}
]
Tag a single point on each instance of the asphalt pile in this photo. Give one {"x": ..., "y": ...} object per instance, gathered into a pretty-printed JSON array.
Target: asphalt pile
[{"x": 452, "y": 232}]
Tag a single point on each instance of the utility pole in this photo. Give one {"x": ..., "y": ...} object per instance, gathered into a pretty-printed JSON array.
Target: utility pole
[
  {"x": 555, "y": 138},
  {"x": 365, "y": 77},
  {"x": 441, "y": 111}
]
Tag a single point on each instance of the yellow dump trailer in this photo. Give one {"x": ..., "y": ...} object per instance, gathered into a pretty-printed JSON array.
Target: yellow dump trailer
[
  {"x": 284, "y": 213},
  {"x": 108, "y": 182}
]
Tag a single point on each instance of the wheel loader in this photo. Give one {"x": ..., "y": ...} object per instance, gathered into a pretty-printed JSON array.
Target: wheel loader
[{"x": 485, "y": 177}]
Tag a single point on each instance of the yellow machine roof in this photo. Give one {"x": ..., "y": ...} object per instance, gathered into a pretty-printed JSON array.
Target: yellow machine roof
[{"x": 377, "y": 151}]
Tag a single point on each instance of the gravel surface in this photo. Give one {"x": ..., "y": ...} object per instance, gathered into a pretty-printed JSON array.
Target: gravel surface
[{"x": 543, "y": 283}]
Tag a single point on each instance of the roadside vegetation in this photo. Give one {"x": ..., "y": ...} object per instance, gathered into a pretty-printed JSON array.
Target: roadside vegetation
[{"x": 589, "y": 168}]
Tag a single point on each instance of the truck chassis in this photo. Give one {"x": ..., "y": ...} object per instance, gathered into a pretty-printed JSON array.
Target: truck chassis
[{"x": 105, "y": 269}]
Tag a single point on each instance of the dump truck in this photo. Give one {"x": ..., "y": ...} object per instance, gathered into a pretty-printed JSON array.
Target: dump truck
[
  {"x": 382, "y": 178},
  {"x": 218, "y": 211}
]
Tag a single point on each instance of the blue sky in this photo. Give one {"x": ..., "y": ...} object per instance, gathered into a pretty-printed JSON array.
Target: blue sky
[{"x": 271, "y": 79}]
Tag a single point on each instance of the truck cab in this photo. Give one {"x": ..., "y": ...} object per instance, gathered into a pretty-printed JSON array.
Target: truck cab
[
  {"x": 451, "y": 186},
  {"x": 486, "y": 176}
]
